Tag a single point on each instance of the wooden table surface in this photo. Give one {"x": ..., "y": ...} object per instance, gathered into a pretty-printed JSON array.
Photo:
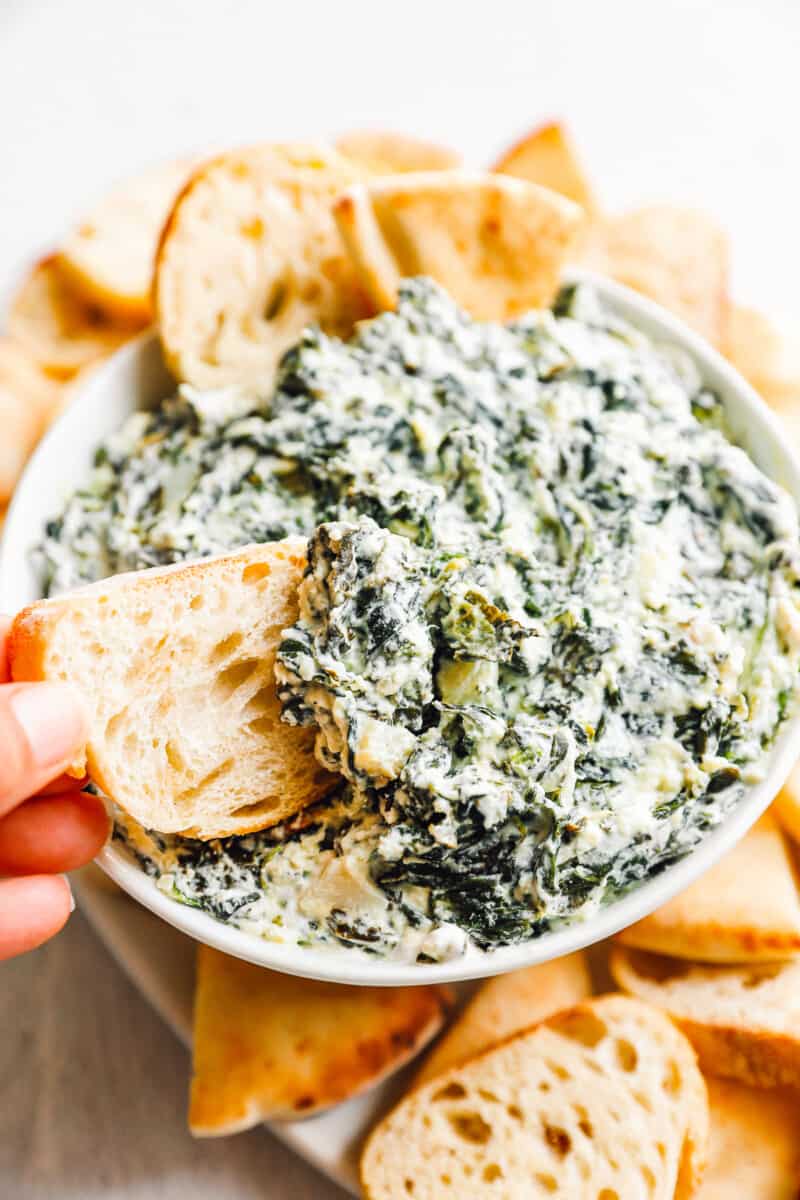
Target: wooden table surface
[{"x": 93, "y": 1094}]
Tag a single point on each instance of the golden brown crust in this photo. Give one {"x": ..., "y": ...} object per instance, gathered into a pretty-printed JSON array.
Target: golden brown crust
[
  {"x": 718, "y": 920},
  {"x": 172, "y": 216},
  {"x": 786, "y": 805},
  {"x": 546, "y": 156},
  {"x": 273, "y": 1047},
  {"x": 22, "y": 423},
  {"x": 743, "y": 1040},
  {"x": 504, "y": 1006},
  {"x": 755, "y": 1057},
  {"x": 167, "y": 230},
  {"x": 26, "y": 647},
  {"x": 495, "y": 243}
]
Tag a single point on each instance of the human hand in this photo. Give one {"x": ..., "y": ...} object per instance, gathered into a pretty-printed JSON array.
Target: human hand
[{"x": 47, "y": 824}]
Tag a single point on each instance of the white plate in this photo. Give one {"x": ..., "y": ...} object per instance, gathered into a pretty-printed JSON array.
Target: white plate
[{"x": 135, "y": 378}]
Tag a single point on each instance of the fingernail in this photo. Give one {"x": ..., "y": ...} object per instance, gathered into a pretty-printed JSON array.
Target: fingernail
[
  {"x": 71, "y": 894},
  {"x": 52, "y": 720}
]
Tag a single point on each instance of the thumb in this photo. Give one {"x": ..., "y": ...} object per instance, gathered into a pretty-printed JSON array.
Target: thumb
[{"x": 42, "y": 726}]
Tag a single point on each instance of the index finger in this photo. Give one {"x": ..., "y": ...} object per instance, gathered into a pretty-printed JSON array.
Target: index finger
[{"x": 5, "y": 626}]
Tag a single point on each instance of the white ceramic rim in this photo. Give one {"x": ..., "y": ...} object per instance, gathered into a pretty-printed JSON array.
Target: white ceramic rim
[{"x": 751, "y": 421}]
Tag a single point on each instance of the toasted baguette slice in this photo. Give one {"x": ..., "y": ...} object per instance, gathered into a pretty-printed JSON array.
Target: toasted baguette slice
[
  {"x": 786, "y": 806},
  {"x": 273, "y": 1047},
  {"x": 176, "y": 668},
  {"x": 546, "y": 156},
  {"x": 250, "y": 256},
  {"x": 677, "y": 257},
  {"x": 744, "y": 1022},
  {"x": 754, "y": 1150},
  {"x": 719, "y": 920},
  {"x": 495, "y": 243},
  {"x": 385, "y": 152},
  {"x": 505, "y": 1005},
  {"x": 110, "y": 255},
  {"x": 60, "y": 329},
  {"x": 601, "y": 1100}
]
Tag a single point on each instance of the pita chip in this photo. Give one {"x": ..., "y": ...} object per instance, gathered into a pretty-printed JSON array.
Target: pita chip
[
  {"x": 745, "y": 909},
  {"x": 506, "y": 1005},
  {"x": 269, "y": 1046},
  {"x": 495, "y": 243}
]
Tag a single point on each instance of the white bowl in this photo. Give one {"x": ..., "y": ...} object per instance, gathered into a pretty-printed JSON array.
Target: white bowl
[{"x": 136, "y": 378}]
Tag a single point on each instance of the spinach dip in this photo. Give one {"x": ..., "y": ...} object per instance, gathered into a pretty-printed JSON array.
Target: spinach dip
[{"x": 548, "y": 632}]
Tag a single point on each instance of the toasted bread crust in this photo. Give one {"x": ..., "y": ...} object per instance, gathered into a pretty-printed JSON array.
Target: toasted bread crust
[
  {"x": 495, "y": 243},
  {"x": 273, "y": 1047},
  {"x": 505, "y": 1005},
  {"x": 28, "y": 400},
  {"x": 717, "y": 920},
  {"x": 545, "y": 156},
  {"x": 758, "y": 1058},
  {"x": 786, "y": 805},
  {"x": 171, "y": 219},
  {"x": 758, "y": 1048}
]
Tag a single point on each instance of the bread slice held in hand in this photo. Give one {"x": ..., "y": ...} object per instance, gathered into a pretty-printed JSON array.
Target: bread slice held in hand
[
  {"x": 269, "y": 1046},
  {"x": 496, "y": 244},
  {"x": 745, "y": 909},
  {"x": 506, "y": 1005},
  {"x": 602, "y": 1100},
  {"x": 744, "y": 1022},
  {"x": 176, "y": 668}
]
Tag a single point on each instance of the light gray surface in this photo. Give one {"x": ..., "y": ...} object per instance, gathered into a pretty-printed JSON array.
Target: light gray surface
[{"x": 93, "y": 1094}]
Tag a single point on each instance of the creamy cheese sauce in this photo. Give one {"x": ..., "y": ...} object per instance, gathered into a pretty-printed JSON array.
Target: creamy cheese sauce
[{"x": 549, "y": 629}]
